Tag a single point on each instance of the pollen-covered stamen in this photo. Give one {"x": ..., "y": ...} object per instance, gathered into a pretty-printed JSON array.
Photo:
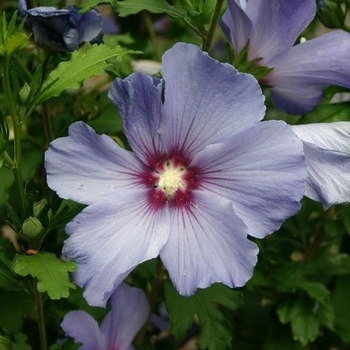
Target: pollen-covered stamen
[{"x": 171, "y": 178}]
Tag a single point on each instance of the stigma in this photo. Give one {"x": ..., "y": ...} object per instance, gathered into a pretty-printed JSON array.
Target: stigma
[{"x": 171, "y": 178}]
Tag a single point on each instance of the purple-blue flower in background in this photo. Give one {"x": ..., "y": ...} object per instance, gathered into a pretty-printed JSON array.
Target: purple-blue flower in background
[
  {"x": 327, "y": 152},
  {"x": 62, "y": 29},
  {"x": 301, "y": 72},
  {"x": 129, "y": 311},
  {"x": 203, "y": 174}
]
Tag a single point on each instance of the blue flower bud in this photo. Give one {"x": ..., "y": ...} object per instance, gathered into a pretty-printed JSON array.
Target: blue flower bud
[{"x": 62, "y": 29}]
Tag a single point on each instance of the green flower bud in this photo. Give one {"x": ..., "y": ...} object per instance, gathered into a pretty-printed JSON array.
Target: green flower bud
[
  {"x": 39, "y": 206},
  {"x": 32, "y": 228},
  {"x": 330, "y": 13},
  {"x": 5, "y": 343},
  {"x": 24, "y": 92}
]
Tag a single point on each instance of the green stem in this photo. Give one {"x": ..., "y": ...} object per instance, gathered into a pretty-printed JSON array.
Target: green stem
[
  {"x": 9, "y": 96},
  {"x": 212, "y": 26},
  {"x": 46, "y": 122},
  {"x": 152, "y": 34},
  {"x": 39, "y": 307},
  {"x": 8, "y": 161}
]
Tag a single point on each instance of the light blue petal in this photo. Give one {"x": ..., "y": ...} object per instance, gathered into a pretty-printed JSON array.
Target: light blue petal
[
  {"x": 327, "y": 151},
  {"x": 86, "y": 167},
  {"x": 208, "y": 243},
  {"x": 236, "y": 25},
  {"x": 83, "y": 329},
  {"x": 129, "y": 312},
  {"x": 110, "y": 238},
  {"x": 71, "y": 39},
  {"x": 205, "y": 100},
  {"x": 299, "y": 80},
  {"x": 88, "y": 24},
  {"x": 139, "y": 99},
  {"x": 262, "y": 171}
]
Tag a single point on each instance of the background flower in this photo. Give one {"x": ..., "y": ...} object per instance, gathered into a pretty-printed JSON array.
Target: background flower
[
  {"x": 204, "y": 173},
  {"x": 301, "y": 72},
  {"x": 62, "y": 29},
  {"x": 129, "y": 311}
]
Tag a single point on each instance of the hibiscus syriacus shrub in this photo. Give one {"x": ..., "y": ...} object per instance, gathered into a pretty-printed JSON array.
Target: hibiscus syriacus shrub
[{"x": 175, "y": 175}]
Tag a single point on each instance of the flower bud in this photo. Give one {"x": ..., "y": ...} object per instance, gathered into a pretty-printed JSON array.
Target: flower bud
[
  {"x": 5, "y": 343},
  {"x": 330, "y": 13},
  {"x": 39, "y": 206},
  {"x": 32, "y": 228},
  {"x": 24, "y": 93}
]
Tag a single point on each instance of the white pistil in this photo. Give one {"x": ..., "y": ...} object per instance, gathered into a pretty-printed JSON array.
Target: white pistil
[{"x": 171, "y": 179}]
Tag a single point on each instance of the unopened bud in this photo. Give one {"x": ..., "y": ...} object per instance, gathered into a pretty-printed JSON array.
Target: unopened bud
[
  {"x": 32, "y": 228},
  {"x": 5, "y": 343},
  {"x": 330, "y": 13},
  {"x": 24, "y": 92},
  {"x": 39, "y": 206}
]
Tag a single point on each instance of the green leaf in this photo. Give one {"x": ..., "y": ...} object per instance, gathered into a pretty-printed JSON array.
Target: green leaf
[
  {"x": 7, "y": 278},
  {"x": 51, "y": 272},
  {"x": 316, "y": 291},
  {"x": 216, "y": 333},
  {"x": 20, "y": 342},
  {"x": 14, "y": 308},
  {"x": 90, "y": 4},
  {"x": 131, "y": 7},
  {"x": 82, "y": 65},
  {"x": 341, "y": 304},
  {"x": 5, "y": 343},
  {"x": 67, "y": 345},
  {"x": 12, "y": 38},
  {"x": 12, "y": 216},
  {"x": 305, "y": 323},
  {"x": 325, "y": 112},
  {"x": 14, "y": 43}
]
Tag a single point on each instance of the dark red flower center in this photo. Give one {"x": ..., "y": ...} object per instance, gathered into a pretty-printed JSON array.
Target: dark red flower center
[{"x": 171, "y": 181}]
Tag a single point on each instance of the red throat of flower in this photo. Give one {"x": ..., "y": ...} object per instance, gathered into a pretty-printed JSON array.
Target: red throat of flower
[{"x": 171, "y": 182}]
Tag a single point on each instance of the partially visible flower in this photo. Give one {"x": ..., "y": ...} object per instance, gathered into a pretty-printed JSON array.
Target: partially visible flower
[
  {"x": 62, "y": 29},
  {"x": 327, "y": 152},
  {"x": 109, "y": 23},
  {"x": 301, "y": 72},
  {"x": 204, "y": 173},
  {"x": 129, "y": 311}
]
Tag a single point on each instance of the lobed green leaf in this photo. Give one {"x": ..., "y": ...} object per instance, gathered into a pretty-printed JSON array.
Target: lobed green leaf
[
  {"x": 51, "y": 272},
  {"x": 215, "y": 333}
]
